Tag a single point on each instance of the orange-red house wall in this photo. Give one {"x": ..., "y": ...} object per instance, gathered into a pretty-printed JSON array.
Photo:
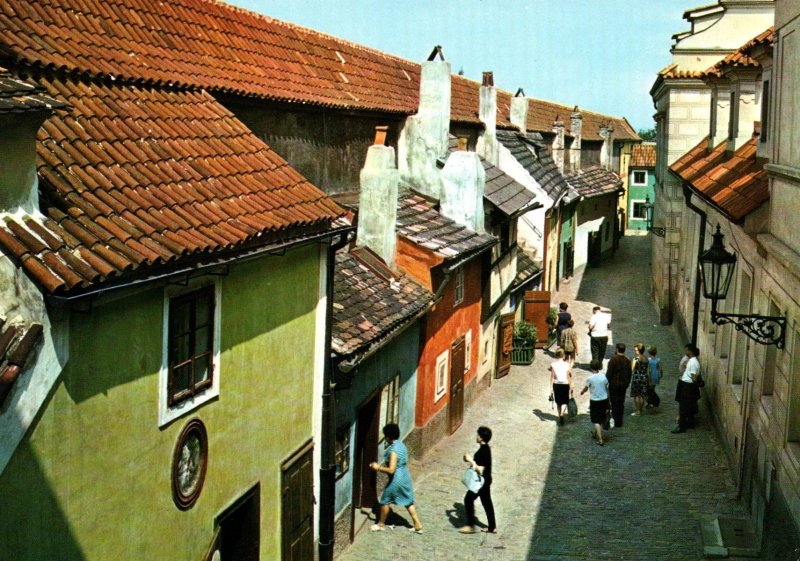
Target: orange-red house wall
[{"x": 444, "y": 324}]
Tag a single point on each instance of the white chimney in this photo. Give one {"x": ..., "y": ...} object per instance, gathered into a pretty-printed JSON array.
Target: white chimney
[
  {"x": 377, "y": 208},
  {"x": 463, "y": 182},
  {"x": 519, "y": 111},
  {"x": 424, "y": 137},
  {"x": 557, "y": 148},
  {"x": 576, "y": 131},
  {"x": 487, "y": 113},
  {"x": 607, "y": 151}
]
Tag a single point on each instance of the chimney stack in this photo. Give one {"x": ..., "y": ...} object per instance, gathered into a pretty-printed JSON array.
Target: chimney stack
[
  {"x": 607, "y": 151},
  {"x": 377, "y": 208},
  {"x": 519, "y": 111},
  {"x": 487, "y": 113},
  {"x": 576, "y": 131},
  {"x": 463, "y": 185},
  {"x": 558, "y": 144},
  {"x": 424, "y": 137}
]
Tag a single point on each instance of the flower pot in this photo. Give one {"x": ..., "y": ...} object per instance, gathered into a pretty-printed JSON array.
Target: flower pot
[{"x": 523, "y": 354}]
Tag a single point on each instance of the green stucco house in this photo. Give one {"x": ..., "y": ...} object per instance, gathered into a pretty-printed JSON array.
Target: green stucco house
[{"x": 641, "y": 185}]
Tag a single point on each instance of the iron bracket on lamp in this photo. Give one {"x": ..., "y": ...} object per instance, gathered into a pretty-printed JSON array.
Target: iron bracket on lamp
[{"x": 716, "y": 270}]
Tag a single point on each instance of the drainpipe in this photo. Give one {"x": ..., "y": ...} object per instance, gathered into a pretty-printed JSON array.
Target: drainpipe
[
  {"x": 687, "y": 193},
  {"x": 327, "y": 469}
]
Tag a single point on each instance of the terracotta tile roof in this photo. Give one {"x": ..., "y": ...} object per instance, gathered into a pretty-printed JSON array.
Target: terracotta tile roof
[
  {"x": 18, "y": 340},
  {"x": 419, "y": 222},
  {"x": 542, "y": 114},
  {"x": 17, "y": 96},
  {"x": 178, "y": 177},
  {"x": 594, "y": 182},
  {"x": 766, "y": 38},
  {"x": 220, "y": 48},
  {"x": 643, "y": 156},
  {"x": 369, "y": 306},
  {"x": 735, "y": 183},
  {"x": 740, "y": 57},
  {"x": 526, "y": 269},
  {"x": 501, "y": 190},
  {"x": 673, "y": 72},
  {"x": 536, "y": 159}
]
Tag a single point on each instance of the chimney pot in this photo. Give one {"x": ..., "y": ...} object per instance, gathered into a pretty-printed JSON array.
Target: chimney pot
[
  {"x": 488, "y": 79},
  {"x": 380, "y": 135},
  {"x": 463, "y": 141}
]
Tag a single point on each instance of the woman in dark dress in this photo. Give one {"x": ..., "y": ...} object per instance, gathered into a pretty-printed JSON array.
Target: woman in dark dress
[
  {"x": 563, "y": 321},
  {"x": 482, "y": 463},
  {"x": 640, "y": 380}
]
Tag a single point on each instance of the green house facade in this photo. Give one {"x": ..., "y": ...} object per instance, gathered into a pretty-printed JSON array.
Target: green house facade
[{"x": 641, "y": 185}]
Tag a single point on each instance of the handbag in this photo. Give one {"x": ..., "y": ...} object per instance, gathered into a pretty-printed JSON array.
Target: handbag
[
  {"x": 572, "y": 407},
  {"x": 609, "y": 424},
  {"x": 472, "y": 480}
]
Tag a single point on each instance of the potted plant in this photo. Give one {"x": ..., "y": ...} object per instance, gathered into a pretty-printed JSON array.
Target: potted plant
[
  {"x": 552, "y": 320},
  {"x": 524, "y": 344}
]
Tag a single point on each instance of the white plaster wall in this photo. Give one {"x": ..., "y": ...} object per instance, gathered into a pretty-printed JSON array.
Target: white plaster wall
[
  {"x": 19, "y": 297},
  {"x": 502, "y": 275}
]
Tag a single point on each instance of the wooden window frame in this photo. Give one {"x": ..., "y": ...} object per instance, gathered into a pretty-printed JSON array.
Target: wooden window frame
[
  {"x": 174, "y": 396},
  {"x": 458, "y": 288},
  {"x": 341, "y": 451}
]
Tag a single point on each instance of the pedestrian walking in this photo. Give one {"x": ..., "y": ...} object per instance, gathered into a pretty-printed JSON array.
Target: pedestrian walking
[
  {"x": 563, "y": 321},
  {"x": 618, "y": 373},
  {"x": 687, "y": 392},
  {"x": 640, "y": 379},
  {"x": 400, "y": 490},
  {"x": 481, "y": 462},
  {"x": 561, "y": 382},
  {"x": 569, "y": 342},
  {"x": 597, "y": 386},
  {"x": 654, "y": 369},
  {"x": 598, "y": 333}
]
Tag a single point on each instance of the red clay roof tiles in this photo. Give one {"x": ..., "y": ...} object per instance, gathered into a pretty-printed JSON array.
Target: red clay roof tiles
[
  {"x": 643, "y": 156},
  {"x": 734, "y": 183},
  {"x": 542, "y": 114}
]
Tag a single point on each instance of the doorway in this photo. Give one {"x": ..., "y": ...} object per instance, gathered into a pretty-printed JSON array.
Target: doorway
[
  {"x": 505, "y": 343},
  {"x": 455, "y": 407},
  {"x": 365, "y": 493},
  {"x": 297, "y": 506}
]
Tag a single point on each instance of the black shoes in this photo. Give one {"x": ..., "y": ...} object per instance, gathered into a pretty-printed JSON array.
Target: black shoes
[{"x": 561, "y": 421}]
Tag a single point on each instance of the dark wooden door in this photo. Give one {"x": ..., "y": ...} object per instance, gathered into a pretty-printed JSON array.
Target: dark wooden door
[
  {"x": 594, "y": 251},
  {"x": 455, "y": 408},
  {"x": 569, "y": 259},
  {"x": 239, "y": 528},
  {"x": 505, "y": 342},
  {"x": 537, "y": 308},
  {"x": 364, "y": 481},
  {"x": 297, "y": 506}
]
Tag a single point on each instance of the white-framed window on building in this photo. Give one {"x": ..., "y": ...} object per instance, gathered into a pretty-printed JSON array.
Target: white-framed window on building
[
  {"x": 189, "y": 375},
  {"x": 467, "y": 351},
  {"x": 638, "y": 210},
  {"x": 639, "y": 177},
  {"x": 442, "y": 366},
  {"x": 458, "y": 289}
]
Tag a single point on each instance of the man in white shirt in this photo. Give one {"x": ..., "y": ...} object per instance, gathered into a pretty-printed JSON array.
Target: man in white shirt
[
  {"x": 687, "y": 394},
  {"x": 598, "y": 333},
  {"x": 597, "y": 386}
]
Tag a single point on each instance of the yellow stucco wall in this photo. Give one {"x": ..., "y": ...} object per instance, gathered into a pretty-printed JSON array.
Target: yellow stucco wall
[{"x": 92, "y": 479}]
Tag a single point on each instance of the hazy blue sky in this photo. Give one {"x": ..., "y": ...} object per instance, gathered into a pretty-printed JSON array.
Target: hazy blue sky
[{"x": 600, "y": 54}]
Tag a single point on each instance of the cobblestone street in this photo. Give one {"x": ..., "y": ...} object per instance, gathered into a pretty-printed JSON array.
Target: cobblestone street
[{"x": 557, "y": 495}]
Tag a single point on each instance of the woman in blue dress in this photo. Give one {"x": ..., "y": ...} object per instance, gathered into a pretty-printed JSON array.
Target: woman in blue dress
[{"x": 399, "y": 491}]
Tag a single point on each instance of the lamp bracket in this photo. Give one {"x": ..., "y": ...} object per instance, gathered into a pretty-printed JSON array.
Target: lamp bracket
[
  {"x": 766, "y": 330},
  {"x": 658, "y": 231}
]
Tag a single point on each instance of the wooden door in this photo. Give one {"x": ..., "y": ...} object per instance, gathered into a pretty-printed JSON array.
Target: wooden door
[
  {"x": 505, "y": 342},
  {"x": 455, "y": 408},
  {"x": 537, "y": 308},
  {"x": 569, "y": 260},
  {"x": 365, "y": 494},
  {"x": 297, "y": 505}
]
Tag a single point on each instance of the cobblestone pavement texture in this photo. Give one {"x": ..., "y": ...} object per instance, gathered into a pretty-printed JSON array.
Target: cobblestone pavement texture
[{"x": 558, "y": 496}]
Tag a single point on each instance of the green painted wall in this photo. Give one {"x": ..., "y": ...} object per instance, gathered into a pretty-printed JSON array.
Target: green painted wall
[
  {"x": 567, "y": 235},
  {"x": 637, "y": 193},
  {"x": 92, "y": 479}
]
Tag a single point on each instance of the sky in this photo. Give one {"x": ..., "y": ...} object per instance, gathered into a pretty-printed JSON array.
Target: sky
[{"x": 602, "y": 55}]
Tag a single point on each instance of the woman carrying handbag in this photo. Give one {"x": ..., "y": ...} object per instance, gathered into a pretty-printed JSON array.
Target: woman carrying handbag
[{"x": 481, "y": 462}]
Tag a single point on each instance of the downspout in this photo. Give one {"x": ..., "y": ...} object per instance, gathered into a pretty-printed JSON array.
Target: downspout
[
  {"x": 327, "y": 469},
  {"x": 687, "y": 193}
]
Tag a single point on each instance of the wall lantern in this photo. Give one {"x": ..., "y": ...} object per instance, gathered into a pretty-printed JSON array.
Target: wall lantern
[
  {"x": 648, "y": 209},
  {"x": 716, "y": 271}
]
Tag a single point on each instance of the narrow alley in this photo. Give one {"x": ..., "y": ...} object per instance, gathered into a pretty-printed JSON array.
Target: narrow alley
[{"x": 557, "y": 495}]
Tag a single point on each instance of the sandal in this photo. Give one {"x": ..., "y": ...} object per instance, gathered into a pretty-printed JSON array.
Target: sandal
[
  {"x": 488, "y": 531},
  {"x": 416, "y": 530},
  {"x": 467, "y": 529},
  {"x": 377, "y": 528}
]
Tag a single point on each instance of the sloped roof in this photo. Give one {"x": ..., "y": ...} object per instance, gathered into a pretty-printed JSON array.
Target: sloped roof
[
  {"x": 536, "y": 160},
  {"x": 179, "y": 176},
  {"x": 594, "y": 182},
  {"x": 766, "y": 38},
  {"x": 736, "y": 183},
  {"x": 368, "y": 307},
  {"x": 419, "y": 222},
  {"x": 17, "y": 96},
  {"x": 542, "y": 114},
  {"x": 643, "y": 156},
  {"x": 672, "y": 71},
  {"x": 526, "y": 269},
  {"x": 17, "y": 341},
  {"x": 740, "y": 57},
  {"x": 221, "y": 48}
]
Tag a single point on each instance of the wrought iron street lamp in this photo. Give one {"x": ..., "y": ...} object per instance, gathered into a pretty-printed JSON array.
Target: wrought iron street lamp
[
  {"x": 648, "y": 212},
  {"x": 716, "y": 271}
]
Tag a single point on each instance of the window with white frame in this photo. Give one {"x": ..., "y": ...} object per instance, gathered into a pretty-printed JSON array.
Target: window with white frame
[
  {"x": 467, "y": 351},
  {"x": 442, "y": 364},
  {"x": 638, "y": 210},
  {"x": 189, "y": 373},
  {"x": 639, "y": 177},
  {"x": 458, "y": 290}
]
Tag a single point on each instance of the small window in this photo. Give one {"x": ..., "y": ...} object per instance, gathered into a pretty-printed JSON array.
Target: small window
[
  {"x": 638, "y": 211},
  {"x": 732, "y": 124},
  {"x": 458, "y": 292},
  {"x": 764, "y": 111},
  {"x": 390, "y": 402},
  {"x": 640, "y": 177},
  {"x": 467, "y": 351},
  {"x": 441, "y": 375},
  {"x": 342, "y": 451},
  {"x": 191, "y": 344}
]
